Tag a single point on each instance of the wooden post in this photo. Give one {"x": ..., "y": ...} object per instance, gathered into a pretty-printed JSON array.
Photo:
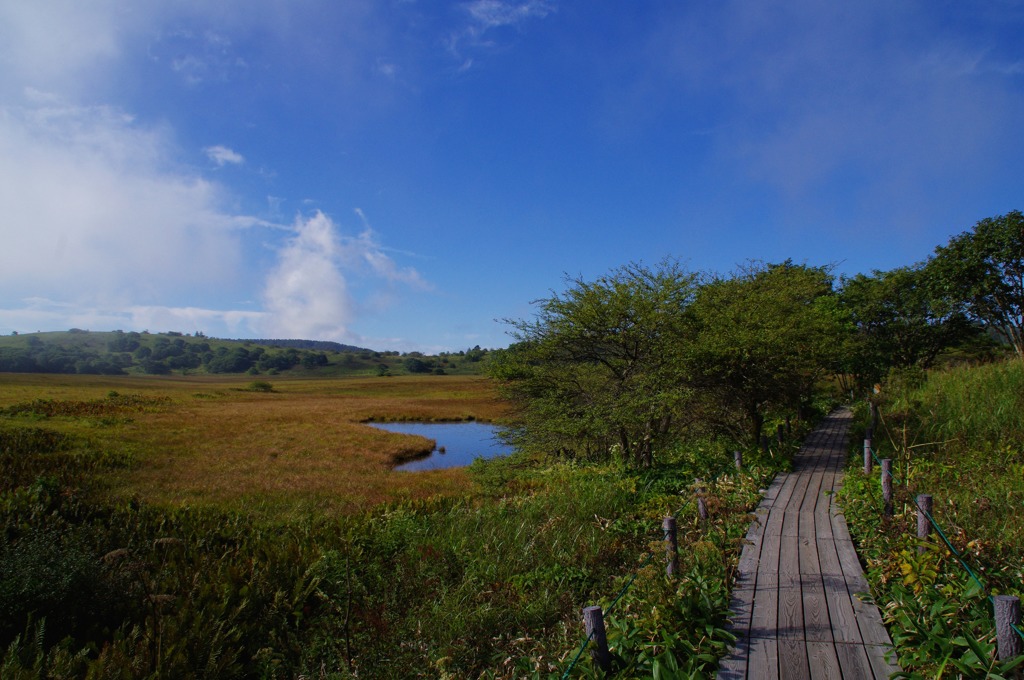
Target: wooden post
[
  {"x": 702, "y": 505},
  {"x": 874, "y": 416},
  {"x": 1007, "y": 613},
  {"x": 737, "y": 457},
  {"x": 924, "y": 525},
  {"x": 593, "y": 620},
  {"x": 789, "y": 427},
  {"x": 867, "y": 456},
  {"x": 887, "y": 485},
  {"x": 671, "y": 546},
  {"x": 780, "y": 434},
  {"x": 764, "y": 443}
]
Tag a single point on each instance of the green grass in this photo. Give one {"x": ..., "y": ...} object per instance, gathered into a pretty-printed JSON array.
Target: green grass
[
  {"x": 958, "y": 436},
  {"x": 121, "y": 556}
]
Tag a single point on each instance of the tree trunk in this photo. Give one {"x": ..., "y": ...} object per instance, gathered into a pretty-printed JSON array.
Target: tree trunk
[{"x": 756, "y": 424}]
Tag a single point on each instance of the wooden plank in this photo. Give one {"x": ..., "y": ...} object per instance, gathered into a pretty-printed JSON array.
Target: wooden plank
[
  {"x": 828, "y": 561},
  {"x": 839, "y": 529},
  {"x": 823, "y": 520},
  {"x": 764, "y": 617},
  {"x": 882, "y": 659},
  {"x": 770, "y": 550},
  {"x": 764, "y": 660},
  {"x": 791, "y": 610},
  {"x": 815, "y": 606},
  {"x": 741, "y": 606},
  {"x": 734, "y": 666},
  {"x": 793, "y": 660},
  {"x": 853, "y": 662},
  {"x": 869, "y": 619},
  {"x": 840, "y": 611},
  {"x": 823, "y": 661},
  {"x": 817, "y": 626}
]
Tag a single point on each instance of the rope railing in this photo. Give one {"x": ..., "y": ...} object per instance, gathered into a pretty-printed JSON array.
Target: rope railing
[
  {"x": 673, "y": 549},
  {"x": 1013, "y": 625},
  {"x": 592, "y": 635},
  {"x": 615, "y": 601},
  {"x": 605, "y": 612}
]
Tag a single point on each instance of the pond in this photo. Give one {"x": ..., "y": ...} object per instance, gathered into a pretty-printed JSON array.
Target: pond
[{"x": 462, "y": 442}]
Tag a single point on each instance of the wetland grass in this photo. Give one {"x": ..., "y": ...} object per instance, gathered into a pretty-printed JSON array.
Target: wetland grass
[{"x": 213, "y": 442}]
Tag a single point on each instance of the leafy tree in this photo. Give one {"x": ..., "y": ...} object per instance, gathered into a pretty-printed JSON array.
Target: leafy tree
[
  {"x": 897, "y": 322},
  {"x": 314, "y": 360},
  {"x": 982, "y": 270},
  {"x": 763, "y": 337},
  {"x": 598, "y": 367},
  {"x": 233, "y": 361},
  {"x": 414, "y": 365}
]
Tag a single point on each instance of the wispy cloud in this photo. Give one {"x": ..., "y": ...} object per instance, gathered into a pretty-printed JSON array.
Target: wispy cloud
[
  {"x": 493, "y": 13},
  {"x": 483, "y": 16},
  {"x": 222, "y": 155}
]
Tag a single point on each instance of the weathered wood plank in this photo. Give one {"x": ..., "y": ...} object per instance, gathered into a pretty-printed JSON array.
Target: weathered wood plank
[
  {"x": 793, "y": 660},
  {"x": 882, "y": 659},
  {"x": 734, "y": 666},
  {"x": 764, "y": 618},
  {"x": 764, "y": 659},
  {"x": 853, "y": 662},
  {"x": 823, "y": 661},
  {"x": 795, "y": 604}
]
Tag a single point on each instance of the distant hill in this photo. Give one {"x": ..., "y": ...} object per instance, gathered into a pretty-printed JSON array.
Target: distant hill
[
  {"x": 322, "y": 345},
  {"x": 123, "y": 353}
]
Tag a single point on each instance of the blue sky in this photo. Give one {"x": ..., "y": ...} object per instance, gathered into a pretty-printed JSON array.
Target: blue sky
[{"x": 402, "y": 174}]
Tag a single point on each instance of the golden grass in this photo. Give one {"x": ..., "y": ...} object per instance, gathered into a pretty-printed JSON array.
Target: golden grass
[{"x": 302, "y": 448}]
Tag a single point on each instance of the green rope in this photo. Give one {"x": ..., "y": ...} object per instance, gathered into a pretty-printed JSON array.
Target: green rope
[
  {"x": 578, "y": 655},
  {"x": 945, "y": 539},
  {"x": 622, "y": 592}
]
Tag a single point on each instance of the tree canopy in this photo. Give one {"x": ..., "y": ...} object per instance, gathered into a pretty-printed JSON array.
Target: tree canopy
[
  {"x": 627, "y": 362},
  {"x": 600, "y": 368},
  {"x": 764, "y": 336},
  {"x": 982, "y": 271},
  {"x": 898, "y": 320}
]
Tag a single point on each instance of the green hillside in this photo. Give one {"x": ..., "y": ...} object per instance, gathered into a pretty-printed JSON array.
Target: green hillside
[{"x": 120, "y": 353}]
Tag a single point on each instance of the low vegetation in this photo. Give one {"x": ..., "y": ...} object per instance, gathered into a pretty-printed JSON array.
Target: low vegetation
[
  {"x": 136, "y": 546},
  {"x": 199, "y": 524},
  {"x": 119, "y": 353},
  {"x": 957, "y": 435}
]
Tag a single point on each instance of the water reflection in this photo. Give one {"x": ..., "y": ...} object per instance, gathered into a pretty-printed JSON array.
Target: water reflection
[{"x": 462, "y": 442}]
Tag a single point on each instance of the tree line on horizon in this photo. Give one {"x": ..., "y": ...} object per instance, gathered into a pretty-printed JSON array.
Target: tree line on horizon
[
  {"x": 628, "y": 364},
  {"x": 119, "y": 352}
]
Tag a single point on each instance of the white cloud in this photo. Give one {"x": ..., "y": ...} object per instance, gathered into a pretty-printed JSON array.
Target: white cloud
[
  {"x": 95, "y": 211},
  {"x": 55, "y": 43},
  {"x": 42, "y": 314},
  {"x": 222, "y": 155},
  {"x": 308, "y": 294}
]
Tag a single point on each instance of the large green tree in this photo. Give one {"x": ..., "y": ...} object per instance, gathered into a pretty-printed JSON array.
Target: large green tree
[
  {"x": 983, "y": 271},
  {"x": 898, "y": 321},
  {"x": 763, "y": 338},
  {"x": 599, "y": 368}
]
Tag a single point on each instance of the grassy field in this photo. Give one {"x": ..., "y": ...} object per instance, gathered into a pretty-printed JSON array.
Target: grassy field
[
  {"x": 957, "y": 435},
  {"x": 198, "y": 527},
  {"x": 205, "y": 440}
]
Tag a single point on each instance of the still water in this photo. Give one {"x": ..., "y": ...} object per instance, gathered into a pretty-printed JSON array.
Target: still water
[{"x": 463, "y": 442}]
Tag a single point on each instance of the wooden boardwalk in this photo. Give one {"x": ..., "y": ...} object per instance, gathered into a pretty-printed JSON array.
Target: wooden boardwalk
[{"x": 796, "y": 608}]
